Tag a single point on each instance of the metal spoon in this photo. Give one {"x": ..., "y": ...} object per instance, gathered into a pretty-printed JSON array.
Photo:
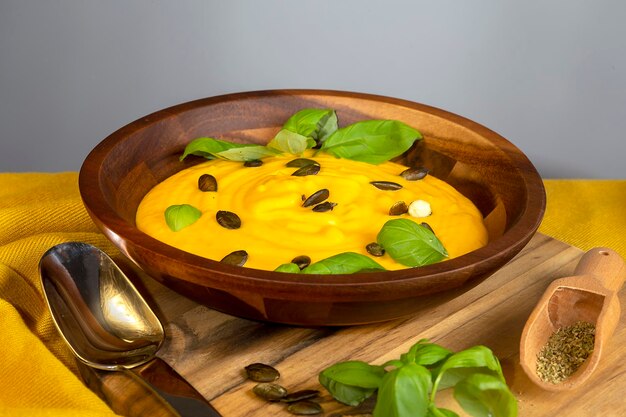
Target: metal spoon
[
  {"x": 589, "y": 296},
  {"x": 108, "y": 325}
]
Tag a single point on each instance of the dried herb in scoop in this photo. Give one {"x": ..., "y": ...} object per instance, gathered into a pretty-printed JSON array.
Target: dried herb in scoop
[{"x": 565, "y": 351}]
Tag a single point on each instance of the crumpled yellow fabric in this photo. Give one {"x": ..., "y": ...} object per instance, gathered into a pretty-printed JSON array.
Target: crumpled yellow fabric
[
  {"x": 586, "y": 213},
  {"x": 38, "y": 375}
]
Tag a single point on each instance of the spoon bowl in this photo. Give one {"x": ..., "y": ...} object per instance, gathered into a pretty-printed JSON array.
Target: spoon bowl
[
  {"x": 590, "y": 295},
  {"x": 108, "y": 324}
]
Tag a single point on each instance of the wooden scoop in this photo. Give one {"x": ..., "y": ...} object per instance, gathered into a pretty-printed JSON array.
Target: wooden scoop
[{"x": 591, "y": 296}]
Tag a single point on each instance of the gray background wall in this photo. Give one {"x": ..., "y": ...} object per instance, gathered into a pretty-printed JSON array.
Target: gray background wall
[{"x": 548, "y": 75}]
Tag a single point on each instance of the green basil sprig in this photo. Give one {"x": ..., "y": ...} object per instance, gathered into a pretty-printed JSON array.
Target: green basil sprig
[
  {"x": 372, "y": 141},
  {"x": 410, "y": 244},
  {"x": 352, "y": 381},
  {"x": 180, "y": 216},
  {"x": 214, "y": 148},
  {"x": 407, "y": 386},
  {"x": 305, "y": 129}
]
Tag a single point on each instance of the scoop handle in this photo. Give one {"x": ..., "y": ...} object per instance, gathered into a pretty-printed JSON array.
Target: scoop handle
[{"x": 606, "y": 265}]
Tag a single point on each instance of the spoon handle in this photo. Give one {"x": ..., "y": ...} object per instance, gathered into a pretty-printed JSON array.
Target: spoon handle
[
  {"x": 180, "y": 395},
  {"x": 606, "y": 265}
]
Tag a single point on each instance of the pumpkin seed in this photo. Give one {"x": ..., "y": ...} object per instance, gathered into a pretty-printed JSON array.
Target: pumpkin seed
[
  {"x": 311, "y": 169},
  {"x": 325, "y": 206},
  {"x": 253, "y": 163},
  {"x": 375, "y": 249},
  {"x": 302, "y": 261},
  {"x": 305, "y": 408},
  {"x": 386, "y": 185},
  {"x": 228, "y": 219},
  {"x": 207, "y": 182},
  {"x": 300, "y": 395},
  {"x": 236, "y": 258},
  {"x": 260, "y": 372},
  {"x": 398, "y": 208},
  {"x": 414, "y": 174},
  {"x": 316, "y": 197},
  {"x": 269, "y": 391},
  {"x": 301, "y": 162},
  {"x": 426, "y": 225}
]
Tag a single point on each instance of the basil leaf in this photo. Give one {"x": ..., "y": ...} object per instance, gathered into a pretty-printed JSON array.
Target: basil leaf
[
  {"x": 246, "y": 153},
  {"x": 423, "y": 353},
  {"x": 214, "y": 148},
  {"x": 410, "y": 244},
  {"x": 372, "y": 141},
  {"x": 404, "y": 392},
  {"x": 180, "y": 216},
  {"x": 440, "y": 412},
  {"x": 465, "y": 363},
  {"x": 290, "y": 142},
  {"x": 316, "y": 124},
  {"x": 344, "y": 263},
  {"x": 288, "y": 267},
  {"x": 484, "y": 395},
  {"x": 356, "y": 373},
  {"x": 346, "y": 394}
]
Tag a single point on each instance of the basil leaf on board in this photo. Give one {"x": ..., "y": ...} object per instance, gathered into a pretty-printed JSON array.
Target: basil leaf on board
[
  {"x": 426, "y": 354},
  {"x": 433, "y": 411},
  {"x": 346, "y": 394},
  {"x": 410, "y": 244},
  {"x": 404, "y": 392},
  {"x": 344, "y": 263},
  {"x": 483, "y": 395},
  {"x": 356, "y": 373},
  {"x": 316, "y": 124},
  {"x": 214, "y": 148},
  {"x": 180, "y": 216},
  {"x": 372, "y": 141},
  {"x": 290, "y": 142},
  {"x": 467, "y": 362},
  {"x": 288, "y": 267}
]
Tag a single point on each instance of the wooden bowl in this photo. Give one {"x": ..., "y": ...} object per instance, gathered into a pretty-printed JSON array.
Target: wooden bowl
[{"x": 482, "y": 165}]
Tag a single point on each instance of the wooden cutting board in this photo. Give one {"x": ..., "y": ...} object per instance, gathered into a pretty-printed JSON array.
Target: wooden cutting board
[{"x": 210, "y": 349}]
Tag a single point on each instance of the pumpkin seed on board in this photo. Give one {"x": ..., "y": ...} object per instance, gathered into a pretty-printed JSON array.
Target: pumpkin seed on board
[
  {"x": 269, "y": 391},
  {"x": 236, "y": 258},
  {"x": 386, "y": 185},
  {"x": 316, "y": 198},
  {"x": 228, "y": 219},
  {"x": 304, "y": 394},
  {"x": 260, "y": 372},
  {"x": 305, "y": 408},
  {"x": 207, "y": 182}
]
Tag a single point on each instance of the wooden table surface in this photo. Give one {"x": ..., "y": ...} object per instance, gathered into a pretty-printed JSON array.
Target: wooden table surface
[{"x": 210, "y": 349}]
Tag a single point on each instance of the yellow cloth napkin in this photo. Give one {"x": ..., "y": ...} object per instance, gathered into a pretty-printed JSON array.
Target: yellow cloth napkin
[
  {"x": 37, "y": 371},
  {"x": 586, "y": 213},
  {"x": 37, "y": 211}
]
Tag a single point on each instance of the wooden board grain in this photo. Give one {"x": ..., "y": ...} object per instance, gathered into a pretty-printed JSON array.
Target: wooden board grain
[{"x": 210, "y": 349}]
